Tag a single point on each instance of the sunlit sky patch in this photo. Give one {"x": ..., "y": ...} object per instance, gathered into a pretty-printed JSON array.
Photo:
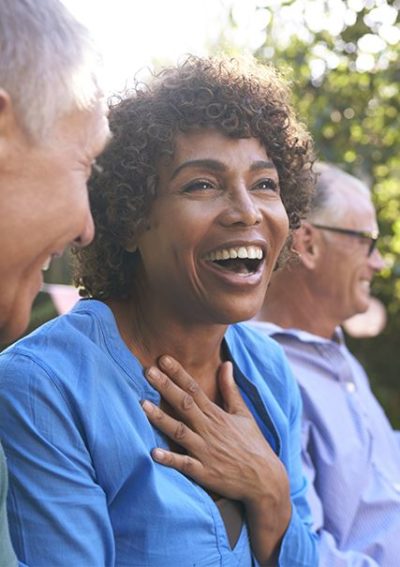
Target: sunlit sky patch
[{"x": 136, "y": 34}]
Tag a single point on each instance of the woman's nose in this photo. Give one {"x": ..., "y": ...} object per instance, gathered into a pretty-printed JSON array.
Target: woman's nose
[{"x": 241, "y": 208}]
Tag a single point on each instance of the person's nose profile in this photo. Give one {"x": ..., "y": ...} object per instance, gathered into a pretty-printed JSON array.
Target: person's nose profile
[
  {"x": 87, "y": 234},
  {"x": 376, "y": 261}
]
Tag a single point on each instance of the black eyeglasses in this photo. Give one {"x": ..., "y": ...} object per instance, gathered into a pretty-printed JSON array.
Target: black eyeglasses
[{"x": 372, "y": 236}]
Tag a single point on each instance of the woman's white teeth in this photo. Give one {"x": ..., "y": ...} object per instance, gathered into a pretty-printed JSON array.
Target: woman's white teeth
[{"x": 242, "y": 252}]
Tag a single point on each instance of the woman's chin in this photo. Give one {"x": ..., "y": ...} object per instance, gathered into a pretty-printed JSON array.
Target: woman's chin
[{"x": 239, "y": 315}]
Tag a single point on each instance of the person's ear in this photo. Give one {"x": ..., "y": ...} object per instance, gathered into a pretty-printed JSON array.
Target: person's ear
[
  {"x": 8, "y": 122},
  {"x": 306, "y": 244},
  {"x": 7, "y": 116},
  {"x": 132, "y": 244}
]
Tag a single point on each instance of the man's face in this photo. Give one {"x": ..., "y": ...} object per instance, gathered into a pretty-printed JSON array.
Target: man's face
[
  {"x": 44, "y": 205},
  {"x": 345, "y": 271}
]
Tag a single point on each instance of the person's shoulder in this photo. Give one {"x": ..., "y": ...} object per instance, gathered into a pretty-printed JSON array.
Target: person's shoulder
[
  {"x": 263, "y": 361},
  {"x": 256, "y": 341},
  {"x": 259, "y": 354},
  {"x": 59, "y": 339},
  {"x": 265, "y": 327},
  {"x": 282, "y": 334}
]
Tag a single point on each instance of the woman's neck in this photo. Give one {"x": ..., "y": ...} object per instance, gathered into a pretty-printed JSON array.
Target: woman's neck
[{"x": 151, "y": 332}]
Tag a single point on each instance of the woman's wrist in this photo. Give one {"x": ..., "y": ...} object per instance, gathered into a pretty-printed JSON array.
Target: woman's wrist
[{"x": 268, "y": 516}]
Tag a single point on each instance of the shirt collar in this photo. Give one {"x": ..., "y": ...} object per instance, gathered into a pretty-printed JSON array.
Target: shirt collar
[{"x": 304, "y": 336}]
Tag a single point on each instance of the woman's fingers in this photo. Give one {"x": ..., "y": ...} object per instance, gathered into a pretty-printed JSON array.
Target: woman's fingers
[
  {"x": 188, "y": 400},
  {"x": 181, "y": 378},
  {"x": 226, "y": 451},
  {"x": 184, "y": 463},
  {"x": 182, "y": 435},
  {"x": 233, "y": 401},
  {"x": 174, "y": 429},
  {"x": 178, "y": 388},
  {"x": 182, "y": 402}
]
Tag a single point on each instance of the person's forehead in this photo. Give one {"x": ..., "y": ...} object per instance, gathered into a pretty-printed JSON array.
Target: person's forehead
[
  {"x": 359, "y": 210},
  {"x": 93, "y": 130},
  {"x": 206, "y": 141}
]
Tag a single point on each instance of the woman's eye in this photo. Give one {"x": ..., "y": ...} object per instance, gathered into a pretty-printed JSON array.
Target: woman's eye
[
  {"x": 197, "y": 186},
  {"x": 267, "y": 185}
]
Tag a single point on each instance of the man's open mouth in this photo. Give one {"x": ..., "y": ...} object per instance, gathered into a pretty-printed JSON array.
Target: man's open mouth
[{"x": 240, "y": 260}]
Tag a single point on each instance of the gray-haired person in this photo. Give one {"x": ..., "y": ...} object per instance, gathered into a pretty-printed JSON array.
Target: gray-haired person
[
  {"x": 350, "y": 452},
  {"x": 53, "y": 124}
]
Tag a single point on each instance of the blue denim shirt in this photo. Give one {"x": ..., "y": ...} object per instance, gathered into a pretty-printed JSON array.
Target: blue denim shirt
[{"x": 84, "y": 490}]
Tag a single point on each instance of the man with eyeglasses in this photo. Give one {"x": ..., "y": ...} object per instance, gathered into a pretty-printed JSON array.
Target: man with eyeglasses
[{"x": 350, "y": 452}]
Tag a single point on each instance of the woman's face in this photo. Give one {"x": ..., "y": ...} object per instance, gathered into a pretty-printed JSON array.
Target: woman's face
[{"x": 215, "y": 230}]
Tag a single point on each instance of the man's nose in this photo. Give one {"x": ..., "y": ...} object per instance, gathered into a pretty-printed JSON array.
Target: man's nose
[
  {"x": 376, "y": 261},
  {"x": 87, "y": 234}
]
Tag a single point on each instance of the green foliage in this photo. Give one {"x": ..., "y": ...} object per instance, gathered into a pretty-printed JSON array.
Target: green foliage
[{"x": 354, "y": 116}]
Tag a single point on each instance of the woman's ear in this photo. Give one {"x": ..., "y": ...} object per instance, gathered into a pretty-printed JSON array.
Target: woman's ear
[
  {"x": 306, "y": 243},
  {"x": 132, "y": 243}
]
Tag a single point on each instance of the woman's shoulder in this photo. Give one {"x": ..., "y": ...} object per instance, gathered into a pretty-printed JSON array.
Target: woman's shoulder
[
  {"x": 263, "y": 361},
  {"x": 246, "y": 338}
]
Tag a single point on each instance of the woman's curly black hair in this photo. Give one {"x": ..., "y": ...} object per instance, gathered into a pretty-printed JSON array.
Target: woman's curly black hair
[{"x": 240, "y": 99}]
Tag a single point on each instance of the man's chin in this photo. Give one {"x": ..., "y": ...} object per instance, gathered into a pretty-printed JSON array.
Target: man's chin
[{"x": 364, "y": 304}]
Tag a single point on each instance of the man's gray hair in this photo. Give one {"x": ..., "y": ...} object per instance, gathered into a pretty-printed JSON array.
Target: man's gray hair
[
  {"x": 48, "y": 64},
  {"x": 328, "y": 204}
]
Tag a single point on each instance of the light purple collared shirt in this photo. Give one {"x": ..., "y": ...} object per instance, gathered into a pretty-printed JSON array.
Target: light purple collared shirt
[{"x": 351, "y": 454}]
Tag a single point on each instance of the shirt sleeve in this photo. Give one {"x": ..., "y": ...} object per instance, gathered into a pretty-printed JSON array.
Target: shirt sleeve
[
  {"x": 397, "y": 437},
  {"x": 330, "y": 555},
  {"x": 7, "y": 556},
  {"x": 299, "y": 546},
  {"x": 57, "y": 511}
]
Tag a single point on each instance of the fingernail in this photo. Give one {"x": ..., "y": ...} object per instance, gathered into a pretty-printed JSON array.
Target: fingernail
[
  {"x": 166, "y": 361},
  {"x": 152, "y": 373},
  {"x": 147, "y": 406},
  {"x": 158, "y": 454}
]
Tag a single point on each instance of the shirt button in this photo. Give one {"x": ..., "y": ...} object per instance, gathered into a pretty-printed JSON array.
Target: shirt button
[
  {"x": 350, "y": 387},
  {"x": 396, "y": 486}
]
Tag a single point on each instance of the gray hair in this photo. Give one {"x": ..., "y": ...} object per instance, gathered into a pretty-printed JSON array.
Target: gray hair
[
  {"x": 48, "y": 64},
  {"x": 328, "y": 204}
]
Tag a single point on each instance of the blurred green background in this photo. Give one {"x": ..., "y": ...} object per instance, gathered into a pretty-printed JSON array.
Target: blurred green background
[{"x": 342, "y": 58}]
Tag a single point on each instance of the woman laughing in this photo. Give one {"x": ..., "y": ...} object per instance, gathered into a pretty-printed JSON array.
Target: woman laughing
[{"x": 152, "y": 428}]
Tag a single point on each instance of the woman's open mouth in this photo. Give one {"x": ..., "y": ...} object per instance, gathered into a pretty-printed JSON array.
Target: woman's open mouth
[{"x": 242, "y": 260}]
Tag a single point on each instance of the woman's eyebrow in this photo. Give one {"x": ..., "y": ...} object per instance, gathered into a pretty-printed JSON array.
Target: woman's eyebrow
[
  {"x": 219, "y": 166},
  {"x": 206, "y": 163},
  {"x": 261, "y": 164}
]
